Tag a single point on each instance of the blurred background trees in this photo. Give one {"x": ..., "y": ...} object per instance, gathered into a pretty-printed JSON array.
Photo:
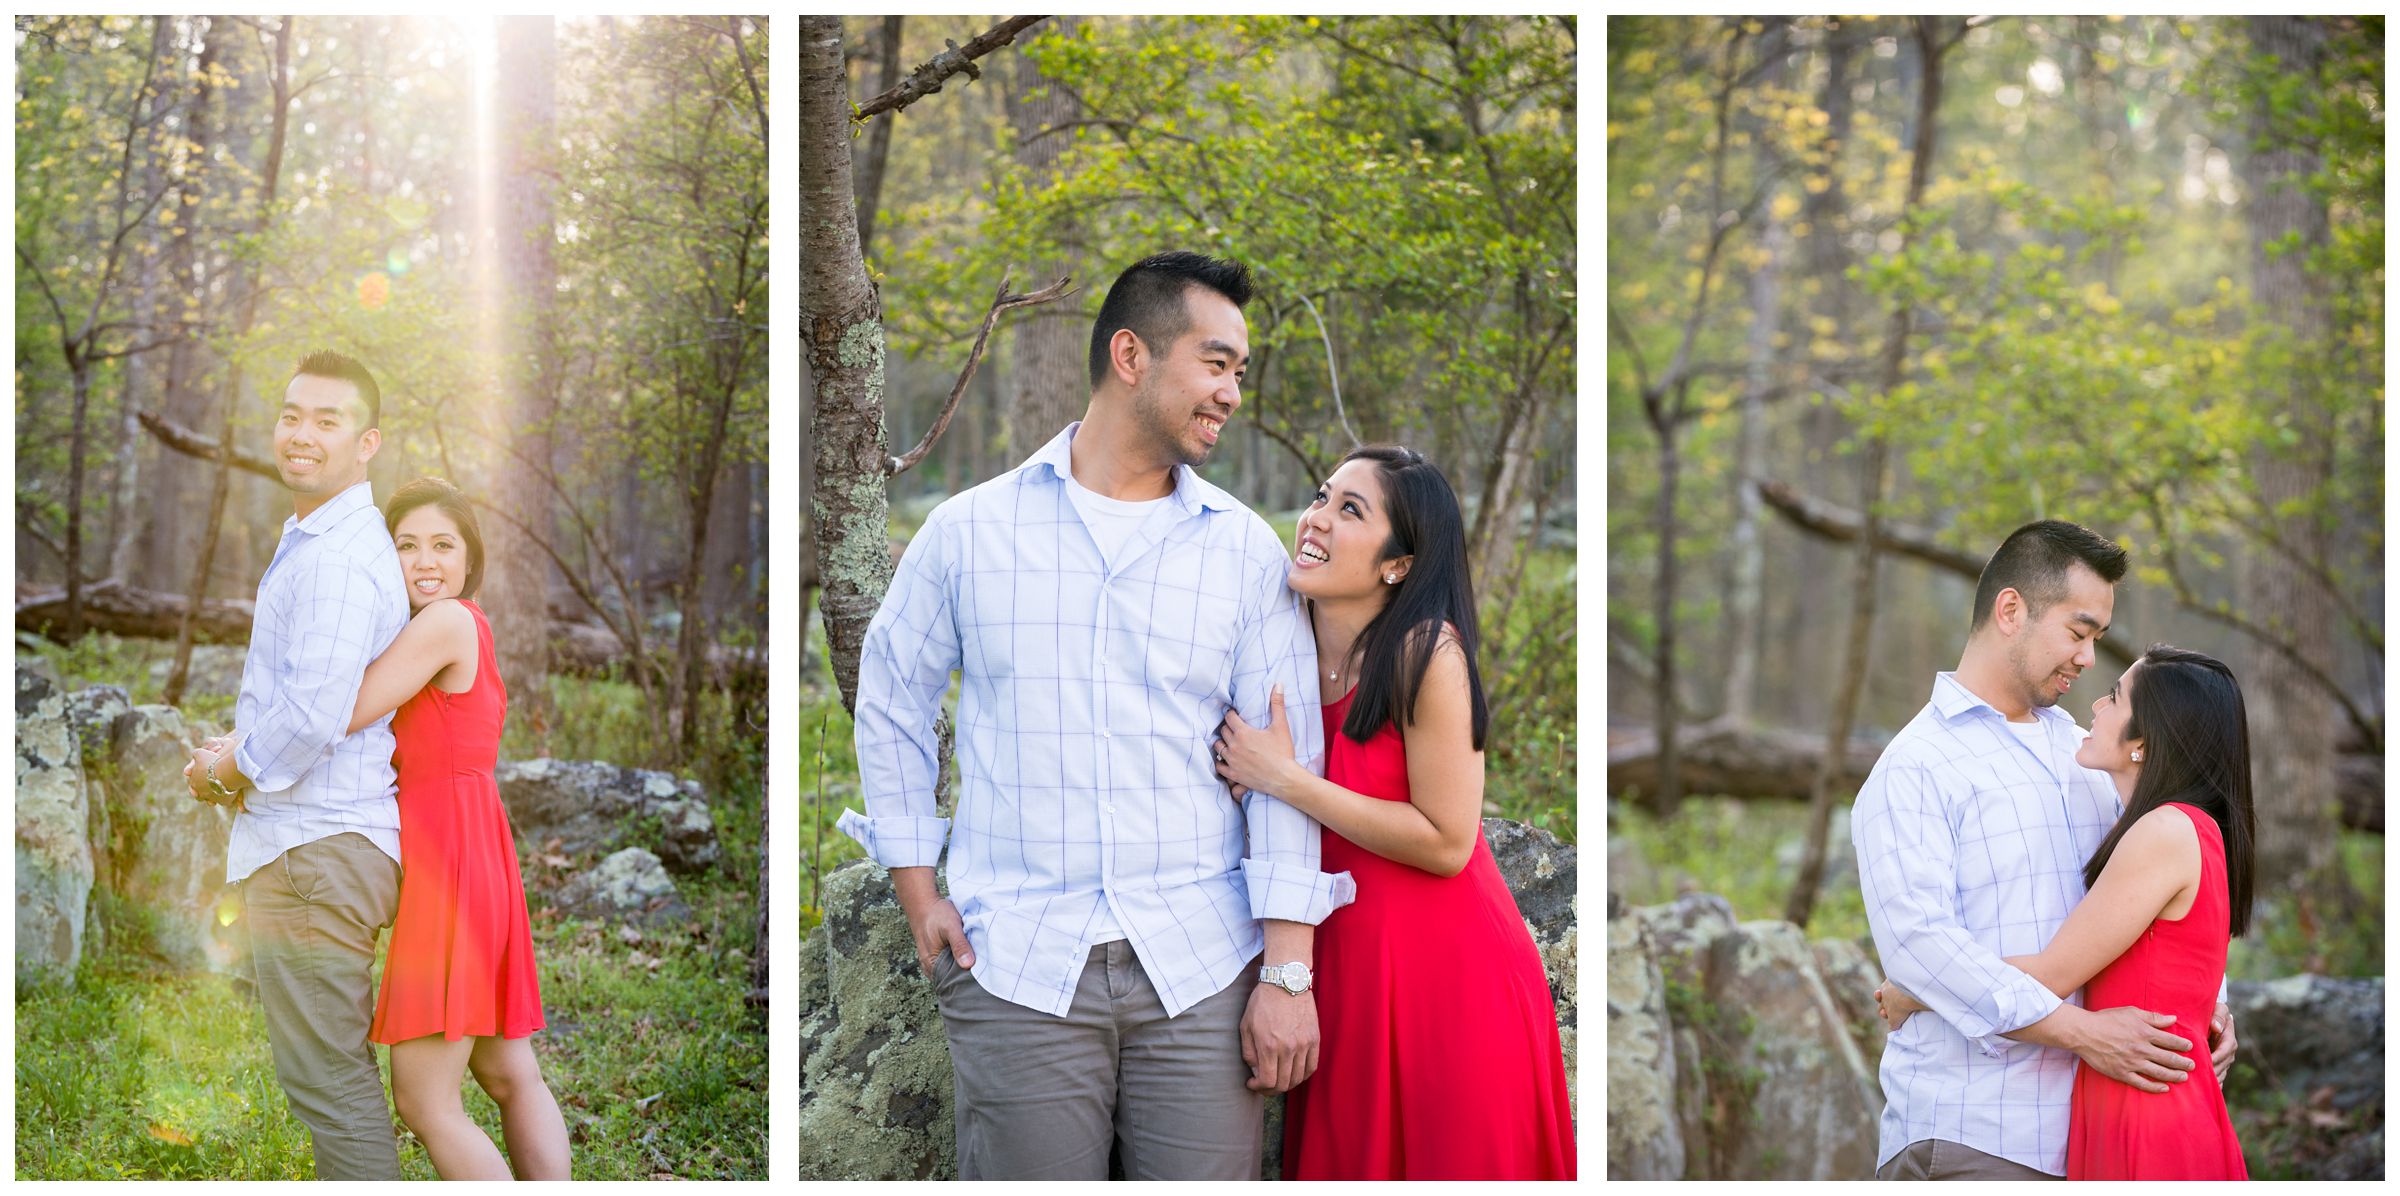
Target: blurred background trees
[
  {"x": 547, "y": 240},
  {"x": 2143, "y": 290},
  {"x": 1402, "y": 188}
]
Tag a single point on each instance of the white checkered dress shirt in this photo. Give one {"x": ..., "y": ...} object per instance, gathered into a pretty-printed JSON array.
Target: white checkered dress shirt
[
  {"x": 331, "y": 601},
  {"x": 1971, "y": 847},
  {"x": 1088, "y": 702}
]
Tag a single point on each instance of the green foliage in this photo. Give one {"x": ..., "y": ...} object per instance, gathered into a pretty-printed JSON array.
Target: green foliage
[{"x": 1410, "y": 179}]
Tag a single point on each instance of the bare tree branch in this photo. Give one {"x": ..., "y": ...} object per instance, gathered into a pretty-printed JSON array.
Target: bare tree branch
[
  {"x": 929, "y": 78},
  {"x": 1001, "y": 301},
  {"x": 195, "y": 444}
]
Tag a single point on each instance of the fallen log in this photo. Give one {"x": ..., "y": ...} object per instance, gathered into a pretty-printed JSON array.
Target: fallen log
[
  {"x": 577, "y": 646},
  {"x": 1736, "y": 761},
  {"x": 1764, "y": 762}
]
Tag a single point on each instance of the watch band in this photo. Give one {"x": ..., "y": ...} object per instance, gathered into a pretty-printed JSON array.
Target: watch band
[{"x": 216, "y": 786}]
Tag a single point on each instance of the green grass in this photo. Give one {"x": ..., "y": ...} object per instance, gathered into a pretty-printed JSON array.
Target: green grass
[{"x": 137, "y": 1071}]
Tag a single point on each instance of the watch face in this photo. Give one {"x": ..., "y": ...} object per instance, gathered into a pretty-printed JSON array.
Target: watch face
[{"x": 1294, "y": 975}]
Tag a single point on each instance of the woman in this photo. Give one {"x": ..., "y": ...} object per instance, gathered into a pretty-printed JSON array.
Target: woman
[
  {"x": 460, "y": 990},
  {"x": 2167, "y": 888},
  {"x": 1440, "y": 1051}
]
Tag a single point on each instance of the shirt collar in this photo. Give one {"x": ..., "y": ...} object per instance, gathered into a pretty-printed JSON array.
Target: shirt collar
[
  {"x": 1192, "y": 492},
  {"x": 1953, "y": 700},
  {"x": 336, "y": 509}
]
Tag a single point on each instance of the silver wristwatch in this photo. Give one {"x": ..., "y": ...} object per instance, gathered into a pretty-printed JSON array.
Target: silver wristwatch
[
  {"x": 1291, "y": 977},
  {"x": 216, "y": 786}
]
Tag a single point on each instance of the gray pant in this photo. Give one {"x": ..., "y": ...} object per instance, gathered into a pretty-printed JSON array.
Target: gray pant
[
  {"x": 1932, "y": 1158},
  {"x": 313, "y": 913},
  {"x": 1042, "y": 1097}
]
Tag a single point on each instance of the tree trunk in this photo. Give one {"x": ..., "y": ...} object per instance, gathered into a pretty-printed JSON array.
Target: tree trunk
[
  {"x": 79, "y": 370},
  {"x": 1805, "y": 656},
  {"x": 1048, "y": 377},
  {"x": 1930, "y": 48},
  {"x": 2291, "y": 719},
  {"x": 245, "y": 284},
  {"x": 516, "y": 577},
  {"x": 175, "y": 485},
  {"x": 841, "y": 325},
  {"x": 1666, "y": 708},
  {"x": 879, "y": 138},
  {"x": 1766, "y": 320}
]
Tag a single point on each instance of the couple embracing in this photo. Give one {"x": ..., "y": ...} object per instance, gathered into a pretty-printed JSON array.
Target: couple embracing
[
  {"x": 1218, "y": 829},
  {"x": 360, "y": 772},
  {"x": 2011, "y": 860}
]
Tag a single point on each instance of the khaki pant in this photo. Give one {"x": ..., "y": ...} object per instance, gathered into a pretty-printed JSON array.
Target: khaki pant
[
  {"x": 313, "y": 913},
  {"x": 1042, "y": 1097},
  {"x": 1932, "y": 1158}
]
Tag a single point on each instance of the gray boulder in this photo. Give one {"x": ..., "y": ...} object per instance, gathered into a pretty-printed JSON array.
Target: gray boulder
[
  {"x": 1739, "y": 1010},
  {"x": 2309, "y": 1076},
  {"x": 55, "y": 871},
  {"x": 167, "y": 850},
  {"x": 94, "y": 712},
  {"x": 216, "y": 669},
  {"x": 874, "y": 1061},
  {"x": 1645, "y": 1139},
  {"x": 590, "y": 806},
  {"x": 630, "y": 886}
]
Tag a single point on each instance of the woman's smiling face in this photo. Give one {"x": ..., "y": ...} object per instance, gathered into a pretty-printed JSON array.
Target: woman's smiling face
[
  {"x": 433, "y": 555},
  {"x": 1339, "y": 544}
]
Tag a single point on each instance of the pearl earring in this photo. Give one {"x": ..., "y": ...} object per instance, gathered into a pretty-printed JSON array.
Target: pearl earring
[
  {"x": 1390, "y": 579},
  {"x": 2137, "y": 755}
]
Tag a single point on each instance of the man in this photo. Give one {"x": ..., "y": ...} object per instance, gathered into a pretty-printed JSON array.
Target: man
[
  {"x": 1098, "y": 961},
  {"x": 1972, "y": 832},
  {"x": 316, "y": 833}
]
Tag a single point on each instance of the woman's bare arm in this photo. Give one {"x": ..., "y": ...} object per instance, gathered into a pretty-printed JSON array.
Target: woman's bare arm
[{"x": 441, "y": 635}]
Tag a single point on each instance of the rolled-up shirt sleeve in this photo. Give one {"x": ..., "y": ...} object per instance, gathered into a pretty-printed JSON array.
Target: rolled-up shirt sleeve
[
  {"x": 330, "y": 645},
  {"x": 1907, "y": 869},
  {"x": 1277, "y": 647},
  {"x": 904, "y": 669}
]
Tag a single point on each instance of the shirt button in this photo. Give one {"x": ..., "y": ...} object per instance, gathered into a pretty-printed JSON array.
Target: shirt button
[{"x": 1104, "y": 733}]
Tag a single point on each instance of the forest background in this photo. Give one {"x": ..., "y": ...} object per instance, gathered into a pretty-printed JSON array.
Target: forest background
[
  {"x": 1402, "y": 188},
  {"x": 1880, "y": 290},
  {"x": 547, "y": 239}
]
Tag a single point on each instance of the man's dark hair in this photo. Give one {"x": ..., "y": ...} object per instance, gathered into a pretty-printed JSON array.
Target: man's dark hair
[
  {"x": 1147, "y": 299},
  {"x": 325, "y": 363},
  {"x": 2034, "y": 560}
]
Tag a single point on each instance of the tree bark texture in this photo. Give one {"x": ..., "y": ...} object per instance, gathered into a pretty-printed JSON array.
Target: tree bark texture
[
  {"x": 2292, "y": 722},
  {"x": 1930, "y": 47},
  {"x": 1048, "y": 377},
  {"x": 841, "y": 326},
  {"x": 516, "y": 575}
]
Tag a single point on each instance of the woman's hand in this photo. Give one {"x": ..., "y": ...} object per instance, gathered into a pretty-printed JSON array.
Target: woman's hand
[
  {"x": 1257, "y": 757},
  {"x": 1893, "y": 1004}
]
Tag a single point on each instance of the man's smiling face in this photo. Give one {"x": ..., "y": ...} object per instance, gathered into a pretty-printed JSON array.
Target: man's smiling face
[
  {"x": 321, "y": 444},
  {"x": 1193, "y": 386},
  {"x": 2054, "y": 647}
]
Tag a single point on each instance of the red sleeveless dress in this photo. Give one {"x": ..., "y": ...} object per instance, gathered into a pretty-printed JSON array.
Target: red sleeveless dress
[
  {"x": 461, "y": 962},
  {"x": 2120, "y": 1132},
  {"x": 1439, "y": 1053}
]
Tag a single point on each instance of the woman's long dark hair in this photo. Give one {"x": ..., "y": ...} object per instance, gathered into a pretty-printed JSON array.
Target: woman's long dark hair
[
  {"x": 1397, "y": 644},
  {"x": 2187, "y": 711}
]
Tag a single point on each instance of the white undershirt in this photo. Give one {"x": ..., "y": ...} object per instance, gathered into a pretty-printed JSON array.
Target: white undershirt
[{"x": 1113, "y": 523}]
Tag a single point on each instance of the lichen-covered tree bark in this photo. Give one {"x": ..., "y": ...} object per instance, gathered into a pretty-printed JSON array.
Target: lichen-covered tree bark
[
  {"x": 841, "y": 328},
  {"x": 517, "y": 574},
  {"x": 2292, "y": 720}
]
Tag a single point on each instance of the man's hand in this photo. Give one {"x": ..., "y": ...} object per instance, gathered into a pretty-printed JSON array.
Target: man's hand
[
  {"x": 933, "y": 922},
  {"x": 2220, "y": 1043},
  {"x": 2132, "y": 1046},
  {"x": 1893, "y": 1004},
  {"x": 1279, "y": 1038}
]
